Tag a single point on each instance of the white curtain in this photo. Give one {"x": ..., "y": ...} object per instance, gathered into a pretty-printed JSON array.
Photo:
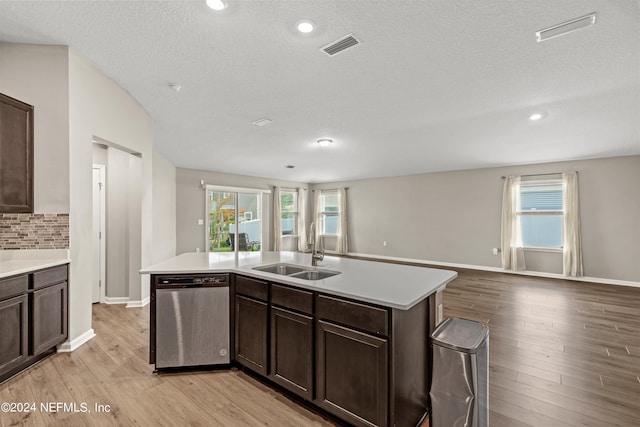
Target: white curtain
[
  {"x": 302, "y": 219},
  {"x": 317, "y": 200},
  {"x": 341, "y": 243},
  {"x": 277, "y": 220},
  {"x": 572, "y": 237},
  {"x": 511, "y": 231}
]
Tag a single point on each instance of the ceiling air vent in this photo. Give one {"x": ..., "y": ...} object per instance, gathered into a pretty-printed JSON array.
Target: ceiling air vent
[
  {"x": 565, "y": 27},
  {"x": 339, "y": 45}
]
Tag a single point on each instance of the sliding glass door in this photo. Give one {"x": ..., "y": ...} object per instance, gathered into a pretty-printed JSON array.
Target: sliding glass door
[{"x": 234, "y": 221}]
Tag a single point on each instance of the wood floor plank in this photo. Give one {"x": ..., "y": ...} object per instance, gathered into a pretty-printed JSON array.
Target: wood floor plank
[
  {"x": 532, "y": 405},
  {"x": 510, "y": 411},
  {"x": 602, "y": 403}
]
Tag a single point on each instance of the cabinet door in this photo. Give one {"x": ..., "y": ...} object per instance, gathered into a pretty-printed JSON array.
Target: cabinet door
[
  {"x": 49, "y": 316},
  {"x": 14, "y": 333},
  {"x": 251, "y": 319},
  {"x": 352, "y": 375},
  {"x": 16, "y": 155},
  {"x": 292, "y": 351}
]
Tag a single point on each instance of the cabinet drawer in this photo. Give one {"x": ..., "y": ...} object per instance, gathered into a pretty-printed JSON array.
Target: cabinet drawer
[
  {"x": 13, "y": 286},
  {"x": 294, "y": 299},
  {"x": 360, "y": 316},
  {"x": 251, "y": 287},
  {"x": 50, "y": 276}
]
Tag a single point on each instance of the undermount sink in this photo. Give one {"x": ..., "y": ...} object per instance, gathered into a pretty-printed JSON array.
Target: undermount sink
[
  {"x": 297, "y": 271},
  {"x": 284, "y": 269},
  {"x": 315, "y": 274}
]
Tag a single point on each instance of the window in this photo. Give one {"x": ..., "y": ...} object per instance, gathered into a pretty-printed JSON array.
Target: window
[
  {"x": 234, "y": 215},
  {"x": 329, "y": 212},
  {"x": 541, "y": 210},
  {"x": 289, "y": 212}
]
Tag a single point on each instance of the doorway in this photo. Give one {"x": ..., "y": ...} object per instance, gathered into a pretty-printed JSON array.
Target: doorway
[
  {"x": 117, "y": 225},
  {"x": 235, "y": 221}
]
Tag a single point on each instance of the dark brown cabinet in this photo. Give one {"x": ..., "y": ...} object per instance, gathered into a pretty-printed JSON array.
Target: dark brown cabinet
[
  {"x": 251, "y": 324},
  {"x": 16, "y": 156},
  {"x": 365, "y": 364},
  {"x": 292, "y": 351},
  {"x": 14, "y": 330},
  {"x": 49, "y": 317},
  {"x": 33, "y": 317},
  {"x": 352, "y": 353},
  {"x": 292, "y": 329},
  {"x": 352, "y": 374}
]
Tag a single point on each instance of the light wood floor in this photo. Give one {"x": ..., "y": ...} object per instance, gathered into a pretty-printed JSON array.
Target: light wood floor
[{"x": 561, "y": 354}]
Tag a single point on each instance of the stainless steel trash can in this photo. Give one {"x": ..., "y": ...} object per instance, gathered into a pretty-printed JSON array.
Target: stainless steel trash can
[{"x": 460, "y": 381}]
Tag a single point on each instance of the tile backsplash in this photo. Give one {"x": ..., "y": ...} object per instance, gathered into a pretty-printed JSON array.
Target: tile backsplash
[{"x": 34, "y": 231}]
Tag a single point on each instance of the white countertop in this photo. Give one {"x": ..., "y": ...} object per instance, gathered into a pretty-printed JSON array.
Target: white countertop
[
  {"x": 24, "y": 261},
  {"x": 389, "y": 285}
]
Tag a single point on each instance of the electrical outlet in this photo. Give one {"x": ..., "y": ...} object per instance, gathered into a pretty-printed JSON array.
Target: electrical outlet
[
  {"x": 384, "y": 243},
  {"x": 201, "y": 222},
  {"x": 496, "y": 251}
]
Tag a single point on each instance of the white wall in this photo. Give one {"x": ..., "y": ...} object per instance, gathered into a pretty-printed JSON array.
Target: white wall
[
  {"x": 100, "y": 154},
  {"x": 99, "y": 107},
  {"x": 164, "y": 208},
  {"x": 117, "y": 238},
  {"x": 39, "y": 75},
  {"x": 134, "y": 231},
  {"x": 454, "y": 217}
]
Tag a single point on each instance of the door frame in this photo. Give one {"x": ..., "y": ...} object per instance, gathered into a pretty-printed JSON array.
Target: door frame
[
  {"x": 103, "y": 240},
  {"x": 259, "y": 193}
]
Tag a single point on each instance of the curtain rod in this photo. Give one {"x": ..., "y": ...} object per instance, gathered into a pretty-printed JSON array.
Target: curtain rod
[
  {"x": 290, "y": 188},
  {"x": 541, "y": 174},
  {"x": 330, "y": 189}
]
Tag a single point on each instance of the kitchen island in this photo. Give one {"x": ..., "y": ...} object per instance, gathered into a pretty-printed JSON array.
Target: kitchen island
[{"x": 355, "y": 344}]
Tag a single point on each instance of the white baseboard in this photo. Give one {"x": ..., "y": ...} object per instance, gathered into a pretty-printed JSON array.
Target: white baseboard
[
  {"x": 116, "y": 300},
  {"x": 140, "y": 303},
  {"x": 69, "y": 346},
  {"x": 502, "y": 270}
]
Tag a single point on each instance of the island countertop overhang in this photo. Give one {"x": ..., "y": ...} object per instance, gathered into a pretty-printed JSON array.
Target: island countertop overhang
[{"x": 389, "y": 285}]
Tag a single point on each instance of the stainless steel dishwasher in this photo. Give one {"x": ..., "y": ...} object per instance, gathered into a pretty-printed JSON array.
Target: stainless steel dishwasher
[{"x": 192, "y": 321}]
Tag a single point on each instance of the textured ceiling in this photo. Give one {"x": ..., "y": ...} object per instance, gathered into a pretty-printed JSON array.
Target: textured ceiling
[{"x": 434, "y": 85}]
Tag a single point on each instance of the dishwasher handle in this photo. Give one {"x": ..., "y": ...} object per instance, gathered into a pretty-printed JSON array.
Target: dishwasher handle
[{"x": 193, "y": 282}]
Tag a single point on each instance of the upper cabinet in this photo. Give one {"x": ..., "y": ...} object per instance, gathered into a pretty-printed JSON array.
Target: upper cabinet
[{"x": 16, "y": 156}]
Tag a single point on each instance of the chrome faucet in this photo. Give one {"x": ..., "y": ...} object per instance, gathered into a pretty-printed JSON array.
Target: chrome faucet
[{"x": 316, "y": 254}]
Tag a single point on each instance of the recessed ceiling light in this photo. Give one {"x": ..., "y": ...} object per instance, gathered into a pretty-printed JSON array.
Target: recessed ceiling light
[
  {"x": 217, "y": 4},
  {"x": 305, "y": 26},
  {"x": 535, "y": 116},
  {"x": 565, "y": 27},
  {"x": 290, "y": 166},
  {"x": 175, "y": 87},
  {"x": 324, "y": 142}
]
